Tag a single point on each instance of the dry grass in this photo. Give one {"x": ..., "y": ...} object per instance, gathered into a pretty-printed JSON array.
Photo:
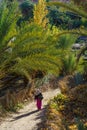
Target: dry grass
[
  {"x": 61, "y": 113},
  {"x": 79, "y": 93}
]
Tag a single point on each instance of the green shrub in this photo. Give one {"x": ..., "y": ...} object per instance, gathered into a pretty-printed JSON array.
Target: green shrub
[{"x": 80, "y": 125}]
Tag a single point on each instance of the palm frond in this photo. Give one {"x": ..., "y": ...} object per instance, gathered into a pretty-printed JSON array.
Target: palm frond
[
  {"x": 65, "y": 41},
  {"x": 35, "y": 50},
  {"x": 69, "y": 7},
  {"x": 8, "y": 19}
]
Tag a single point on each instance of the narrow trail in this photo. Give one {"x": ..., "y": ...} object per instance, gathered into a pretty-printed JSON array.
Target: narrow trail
[{"x": 28, "y": 117}]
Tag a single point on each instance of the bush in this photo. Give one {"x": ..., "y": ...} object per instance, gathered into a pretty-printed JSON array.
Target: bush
[{"x": 79, "y": 93}]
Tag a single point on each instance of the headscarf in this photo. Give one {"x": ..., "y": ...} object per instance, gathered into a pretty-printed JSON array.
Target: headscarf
[{"x": 37, "y": 91}]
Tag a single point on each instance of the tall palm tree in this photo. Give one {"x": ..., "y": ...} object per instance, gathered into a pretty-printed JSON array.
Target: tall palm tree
[
  {"x": 34, "y": 50},
  {"x": 8, "y": 19},
  {"x": 27, "y": 49}
]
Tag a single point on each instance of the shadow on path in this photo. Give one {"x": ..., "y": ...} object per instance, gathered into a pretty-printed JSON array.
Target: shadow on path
[
  {"x": 41, "y": 116},
  {"x": 24, "y": 115}
]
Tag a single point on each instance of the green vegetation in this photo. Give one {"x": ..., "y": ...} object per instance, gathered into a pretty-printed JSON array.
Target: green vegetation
[
  {"x": 68, "y": 112},
  {"x": 40, "y": 13},
  {"x": 26, "y": 9},
  {"x": 35, "y": 42}
]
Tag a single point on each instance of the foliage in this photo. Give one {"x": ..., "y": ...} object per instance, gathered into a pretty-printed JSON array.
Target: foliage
[
  {"x": 78, "y": 11},
  {"x": 63, "y": 110},
  {"x": 67, "y": 57},
  {"x": 26, "y": 8},
  {"x": 44, "y": 80},
  {"x": 33, "y": 52},
  {"x": 8, "y": 19},
  {"x": 16, "y": 107},
  {"x": 30, "y": 50},
  {"x": 80, "y": 124},
  {"x": 72, "y": 8},
  {"x": 84, "y": 23},
  {"x": 81, "y": 3},
  {"x": 60, "y": 100},
  {"x": 55, "y": 17},
  {"x": 69, "y": 65},
  {"x": 78, "y": 92},
  {"x": 40, "y": 13},
  {"x": 63, "y": 19}
]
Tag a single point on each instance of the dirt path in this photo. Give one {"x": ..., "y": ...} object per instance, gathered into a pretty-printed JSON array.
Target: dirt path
[{"x": 28, "y": 117}]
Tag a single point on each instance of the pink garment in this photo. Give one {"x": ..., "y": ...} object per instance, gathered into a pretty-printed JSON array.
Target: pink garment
[{"x": 39, "y": 104}]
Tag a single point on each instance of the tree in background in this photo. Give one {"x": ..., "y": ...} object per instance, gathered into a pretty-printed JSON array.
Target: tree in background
[
  {"x": 40, "y": 13},
  {"x": 56, "y": 18},
  {"x": 26, "y": 12},
  {"x": 63, "y": 19},
  {"x": 79, "y": 31}
]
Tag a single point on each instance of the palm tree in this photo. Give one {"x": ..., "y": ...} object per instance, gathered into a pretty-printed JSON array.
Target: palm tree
[
  {"x": 67, "y": 57},
  {"x": 34, "y": 50},
  {"x": 8, "y": 19},
  {"x": 26, "y": 49},
  {"x": 81, "y": 12}
]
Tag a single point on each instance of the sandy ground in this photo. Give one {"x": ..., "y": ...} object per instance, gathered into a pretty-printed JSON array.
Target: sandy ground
[{"x": 28, "y": 117}]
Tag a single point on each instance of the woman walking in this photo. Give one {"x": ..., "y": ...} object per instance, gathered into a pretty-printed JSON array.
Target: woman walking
[{"x": 38, "y": 98}]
